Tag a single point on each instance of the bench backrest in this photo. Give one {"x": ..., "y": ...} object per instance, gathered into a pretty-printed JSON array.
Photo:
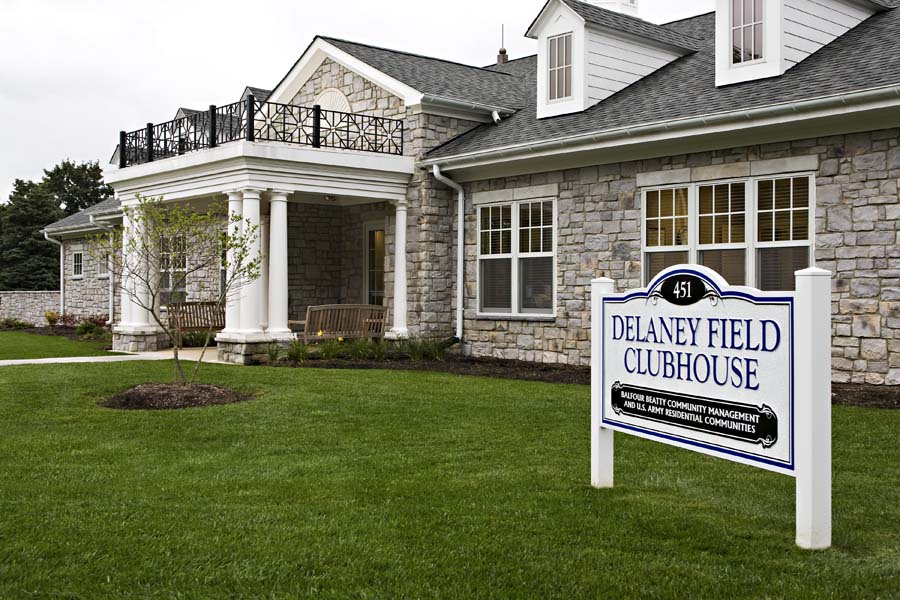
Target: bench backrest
[
  {"x": 345, "y": 320},
  {"x": 196, "y": 315}
]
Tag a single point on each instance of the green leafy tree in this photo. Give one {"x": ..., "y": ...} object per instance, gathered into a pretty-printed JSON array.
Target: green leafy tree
[
  {"x": 175, "y": 235},
  {"x": 27, "y": 260},
  {"x": 76, "y": 186}
]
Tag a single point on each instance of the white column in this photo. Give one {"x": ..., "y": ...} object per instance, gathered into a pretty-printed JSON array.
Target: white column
[
  {"x": 250, "y": 291},
  {"x": 232, "y": 300},
  {"x": 400, "y": 329},
  {"x": 278, "y": 265},
  {"x": 140, "y": 314},
  {"x": 813, "y": 408},
  {"x": 127, "y": 282},
  {"x": 264, "y": 274},
  {"x": 601, "y": 438}
]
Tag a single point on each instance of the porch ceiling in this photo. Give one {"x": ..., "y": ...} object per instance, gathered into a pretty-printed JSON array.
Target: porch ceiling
[{"x": 268, "y": 166}]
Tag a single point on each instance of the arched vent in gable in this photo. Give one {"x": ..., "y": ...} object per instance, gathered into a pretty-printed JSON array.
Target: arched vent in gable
[{"x": 333, "y": 99}]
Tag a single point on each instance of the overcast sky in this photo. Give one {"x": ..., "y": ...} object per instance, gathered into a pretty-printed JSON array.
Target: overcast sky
[{"x": 75, "y": 72}]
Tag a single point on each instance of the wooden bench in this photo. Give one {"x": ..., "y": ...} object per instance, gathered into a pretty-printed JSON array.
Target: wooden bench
[
  {"x": 195, "y": 317},
  {"x": 346, "y": 321}
]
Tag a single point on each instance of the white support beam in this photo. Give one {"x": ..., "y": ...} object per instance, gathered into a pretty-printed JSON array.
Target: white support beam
[
  {"x": 278, "y": 266},
  {"x": 400, "y": 328},
  {"x": 232, "y": 301},
  {"x": 250, "y": 291}
]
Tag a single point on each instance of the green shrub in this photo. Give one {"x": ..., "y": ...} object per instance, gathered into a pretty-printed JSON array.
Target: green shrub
[
  {"x": 429, "y": 349},
  {"x": 360, "y": 349},
  {"x": 298, "y": 353},
  {"x": 273, "y": 351},
  {"x": 195, "y": 339},
  {"x": 89, "y": 328},
  {"x": 379, "y": 350},
  {"x": 68, "y": 320},
  {"x": 10, "y": 323},
  {"x": 332, "y": 349},
  {"x": 52, "y": 317}
]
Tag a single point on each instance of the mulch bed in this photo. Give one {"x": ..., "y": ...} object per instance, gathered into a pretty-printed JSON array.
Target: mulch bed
[
  {"x": 479, "y": 367},
  {"x": 867, "y": 396},
  {"x": 66, "y": 332},
  {"x": 170, "y": 396}
]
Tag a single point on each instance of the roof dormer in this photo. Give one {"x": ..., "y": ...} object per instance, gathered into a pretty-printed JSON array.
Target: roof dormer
[
  {"x": 756, "y": 39},
  {"x": 588, "y": 51}
]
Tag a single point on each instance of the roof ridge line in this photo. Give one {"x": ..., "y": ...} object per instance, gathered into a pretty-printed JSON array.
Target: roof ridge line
[{"x": 444, "y": 60}]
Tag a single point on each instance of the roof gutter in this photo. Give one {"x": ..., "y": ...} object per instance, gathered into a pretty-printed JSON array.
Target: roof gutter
[
  {"x": 463, "y": 105},
  {"x": 62, "y": 272},
  {"x": 109, "y": 270},
  {"x": 460, "y": 245},
  {"x": 572, "y": 143}
]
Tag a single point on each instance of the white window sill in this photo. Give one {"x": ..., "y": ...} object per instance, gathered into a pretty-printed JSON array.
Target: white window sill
[
  {"x": 102, "y": 276},
  {"x": 77, "y": 277}
]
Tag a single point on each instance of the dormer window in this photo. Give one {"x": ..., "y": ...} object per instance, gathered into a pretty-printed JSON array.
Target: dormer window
[
  {"x": 559, "y": 63},
  {"x": 746, "y": 31}
]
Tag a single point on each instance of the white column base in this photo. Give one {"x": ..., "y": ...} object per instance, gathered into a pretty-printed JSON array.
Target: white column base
[
  {"x": 397, "y": 333},
  {"x": 254, "y": 337}
]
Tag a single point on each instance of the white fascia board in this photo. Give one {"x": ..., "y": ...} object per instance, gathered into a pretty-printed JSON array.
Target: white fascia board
[
  {"x": 318, "y": 51},
  {"x": 541, "y": 21},
  {"x": 663, "y": 132},
  {"x": 268, "y": 165}
]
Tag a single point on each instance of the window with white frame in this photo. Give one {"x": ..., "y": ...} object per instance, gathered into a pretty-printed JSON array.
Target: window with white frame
[
  {"x": 746, "y": 31},
  {"x": 559, "y": 62},
  {"x": 517, "y": 258},
  {"x": 77, "y": 264},
  {"x": 172, "y": 272},
  {"x": 753, "y": 232},
  {"x": 103, "y": 266}
]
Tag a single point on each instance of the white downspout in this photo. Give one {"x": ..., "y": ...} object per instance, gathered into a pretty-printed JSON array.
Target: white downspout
[
  {"x": 62, "y": 272},
  {"x": 460, "y": 246},
  {"x": 109, "y": 272}
]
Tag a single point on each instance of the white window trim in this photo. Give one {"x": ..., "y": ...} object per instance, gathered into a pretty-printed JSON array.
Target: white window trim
[
  {"x": 368, "y": 227},
  {"x": 750, "y": 224},
  {"x": 514, "y": 256},
  {"x": 762, "y": 24},
  {"x": 171, "y": 271},
  {"x": 552, "y": 70},
  {"x": 78, "y": 263},
  {"x": 100, "y": 273}
]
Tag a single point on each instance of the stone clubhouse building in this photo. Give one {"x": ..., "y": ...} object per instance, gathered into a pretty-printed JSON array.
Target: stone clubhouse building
[{"x": 759, "y": 139}]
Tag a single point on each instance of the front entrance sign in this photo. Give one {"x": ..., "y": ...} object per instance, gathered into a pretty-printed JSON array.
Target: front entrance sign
[{"x": 732, "y": 372}]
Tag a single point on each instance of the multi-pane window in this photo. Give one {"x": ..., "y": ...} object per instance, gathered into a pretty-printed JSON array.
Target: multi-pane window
[
  {"x": 752, "y": 232},
  {"x": 103, "y": 266},
  {"x": 516, "y": 264},
  {"x": 559, "y": 61},
  {"x": 723, "y": 230},
  {"x": 77, "y": 264},
  {"x": 172, "y": 271},
  {"x": 783, "y": 223},
  {"x": 666, "y": 229},
  {"x": 375, "y": 266},
  {"x": 746, "y": 31}
]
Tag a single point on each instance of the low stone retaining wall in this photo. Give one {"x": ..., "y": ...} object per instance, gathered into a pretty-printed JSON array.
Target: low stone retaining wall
[{"x": 28, "y": 306}]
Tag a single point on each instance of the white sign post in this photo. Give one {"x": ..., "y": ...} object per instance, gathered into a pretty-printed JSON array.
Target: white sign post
[{"x": 728, "y": 371}]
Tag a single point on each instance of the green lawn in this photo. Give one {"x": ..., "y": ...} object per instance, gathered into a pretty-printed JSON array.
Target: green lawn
[
  {"x": 15, "y": 345},
  {"x": 372, "y": 484}
]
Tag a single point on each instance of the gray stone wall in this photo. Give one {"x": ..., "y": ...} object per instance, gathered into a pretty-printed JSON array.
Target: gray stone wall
[
  {"x": 28, "y": 306},
  {"x": 89, "y": 294},
  {"x": 326, "y": 253},
  {"x": 599, "y": 233}
]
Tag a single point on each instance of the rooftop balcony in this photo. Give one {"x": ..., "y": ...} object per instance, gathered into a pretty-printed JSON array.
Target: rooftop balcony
[{"x": 254, "y": 121}]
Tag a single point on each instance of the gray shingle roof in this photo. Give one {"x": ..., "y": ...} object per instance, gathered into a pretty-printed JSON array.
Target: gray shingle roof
[
  {"x": 436, "y": 77},
  {"x": 259, "y": 94},
  {"x": 82, "y": 219},
  {"x": 866, "y": 57},
  {"x": 628, "y": 24}
]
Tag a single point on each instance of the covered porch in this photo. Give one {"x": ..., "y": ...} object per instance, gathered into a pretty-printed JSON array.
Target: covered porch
[{"x": 328, "y": 234}]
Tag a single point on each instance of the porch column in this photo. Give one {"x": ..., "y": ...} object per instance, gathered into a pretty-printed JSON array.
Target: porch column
[
  {"x": 232, "y": 300},
  {"x": 140, "y": 312},
  {"x": 400, "y": 329},
  {"x": 127, "y": 282},
  {"x": 250, "y": 292},
  {"x": 264, "y": 273},
  {"x": 278, "y": 265}
]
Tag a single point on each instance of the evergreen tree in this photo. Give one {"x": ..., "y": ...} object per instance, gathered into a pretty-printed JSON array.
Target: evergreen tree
[{"x": 27, "y": 260}]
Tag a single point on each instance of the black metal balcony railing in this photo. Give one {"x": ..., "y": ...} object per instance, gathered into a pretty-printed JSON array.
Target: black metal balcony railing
[{"x": 270, "y": 122}]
